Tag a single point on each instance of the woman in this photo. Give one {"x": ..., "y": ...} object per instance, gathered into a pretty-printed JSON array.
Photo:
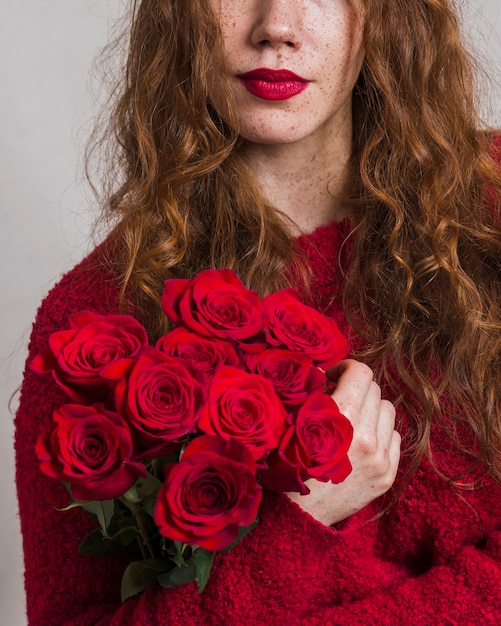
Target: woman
[{"x": 334, "y": 146}]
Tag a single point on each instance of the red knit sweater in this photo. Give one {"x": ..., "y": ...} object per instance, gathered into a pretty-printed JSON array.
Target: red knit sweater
[{"x": 434, "y": 559}]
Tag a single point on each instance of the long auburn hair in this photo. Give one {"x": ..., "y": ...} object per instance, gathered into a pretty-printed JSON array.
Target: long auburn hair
[{"x": 423, "y": 282}]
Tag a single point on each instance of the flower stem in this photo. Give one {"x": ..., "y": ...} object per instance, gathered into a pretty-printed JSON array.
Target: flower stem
[{"x": 144, "y": 537}]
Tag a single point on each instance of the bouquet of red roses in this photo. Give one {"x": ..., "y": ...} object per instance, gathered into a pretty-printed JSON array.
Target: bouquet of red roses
[{"x": 169, "y": 446}]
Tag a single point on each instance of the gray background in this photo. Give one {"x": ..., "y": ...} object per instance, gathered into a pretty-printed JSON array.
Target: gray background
[{"x": 46, "y": 52}]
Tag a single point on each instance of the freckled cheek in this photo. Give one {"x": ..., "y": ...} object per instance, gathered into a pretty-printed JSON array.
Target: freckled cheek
[{"x": 349, "y": 35}]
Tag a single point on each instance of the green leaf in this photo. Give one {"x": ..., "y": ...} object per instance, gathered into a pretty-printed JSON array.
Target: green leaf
[
  {"x": 148, "y": 486},
  {"x": 131, "y": 495},
  {"x": 72, "y": 505},
  {"x": 127, "y": 536},
  {"x": 137, "y": 577},
  {"x": 102, "y": 510},
  {"x": 178, "y": 575},
  {"x": 176, "y": 552},
  {"x": 196, "y": 567},
  {"x": 242, "y": 531},
  {"x": 149, "y": 503},
  {"x": 97, "y": 544},
  {"x": 159, "y": 565},
  {"x": 203, "y": 560},
  {"x": 122, "y": 528},
  {"x": 148, "y": 491},
  {"x": 143, "y": 488}
]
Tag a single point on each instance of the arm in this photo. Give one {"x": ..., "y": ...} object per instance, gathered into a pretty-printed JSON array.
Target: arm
[{"x": 452, "y": 557}]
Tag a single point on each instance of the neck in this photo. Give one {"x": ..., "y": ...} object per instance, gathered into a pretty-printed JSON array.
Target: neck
[{"x": 304, "y": 180}]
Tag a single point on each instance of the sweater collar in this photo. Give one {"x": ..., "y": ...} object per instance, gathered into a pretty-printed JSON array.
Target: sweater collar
[{"x": 326, "y": 250}]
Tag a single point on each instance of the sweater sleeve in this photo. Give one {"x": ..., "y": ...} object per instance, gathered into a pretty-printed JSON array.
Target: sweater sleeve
[{"x": 434, "y": 559}]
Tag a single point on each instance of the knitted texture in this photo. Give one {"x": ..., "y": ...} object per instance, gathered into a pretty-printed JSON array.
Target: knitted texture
[{"x": 434, "y": 559}]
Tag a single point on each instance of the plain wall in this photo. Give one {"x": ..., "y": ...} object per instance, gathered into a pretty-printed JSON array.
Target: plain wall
[{"x": 46, "y": 51}]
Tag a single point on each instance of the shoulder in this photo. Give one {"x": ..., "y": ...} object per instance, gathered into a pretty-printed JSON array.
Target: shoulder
[{"x": 91, "y": 285}]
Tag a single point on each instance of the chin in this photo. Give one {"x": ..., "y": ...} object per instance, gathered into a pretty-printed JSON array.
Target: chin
[{"x": 272, "y": 136}]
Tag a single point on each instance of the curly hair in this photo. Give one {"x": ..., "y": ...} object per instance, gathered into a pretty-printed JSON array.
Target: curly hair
[
  {"x": 185, "y": 200},
  {"x": 427, "y": 262},
  {"x": 423, "y": 281}
]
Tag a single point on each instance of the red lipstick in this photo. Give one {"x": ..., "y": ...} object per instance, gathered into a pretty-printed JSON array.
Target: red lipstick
[{"x": 273, "y": 84}]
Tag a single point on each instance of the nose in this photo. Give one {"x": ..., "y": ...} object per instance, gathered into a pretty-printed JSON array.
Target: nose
[{"x": 277, "y": 25}]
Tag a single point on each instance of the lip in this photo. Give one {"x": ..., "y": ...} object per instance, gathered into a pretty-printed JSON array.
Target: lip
[{"x": 271, "y": 84}]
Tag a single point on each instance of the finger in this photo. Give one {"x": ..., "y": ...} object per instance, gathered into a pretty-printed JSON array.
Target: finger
[
  {"x": 374, "y": 432},
  {"x": 335, "y": 372},
  {"x": 353, "y": 384},
  {"x": 365, "y": 417},
  {"x": 396, "y": 442},
  {"x": 386, "y": 423},
  {"x": 384, "y": 464},
  {"x": 394, "y": 457}
]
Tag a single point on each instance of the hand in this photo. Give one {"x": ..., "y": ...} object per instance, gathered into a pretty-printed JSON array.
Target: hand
[{"x": 374, "y": 452}]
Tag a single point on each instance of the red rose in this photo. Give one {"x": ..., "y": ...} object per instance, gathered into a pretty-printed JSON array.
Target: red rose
[
  {"x": 316, "y": 446},
  {"x": 302, "y": 328},
  {"x": 91, "y": 449},
  {"x": 245, "y": 407},
  {"x": 292, "y": 374},
  {"x": 205, "y": 355},
  {"x": 160, "y": 399},
  {"x": 215, "y": 304},
  {"x": 209, "y": 494},
  {"x": 77, "y": 356}
]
